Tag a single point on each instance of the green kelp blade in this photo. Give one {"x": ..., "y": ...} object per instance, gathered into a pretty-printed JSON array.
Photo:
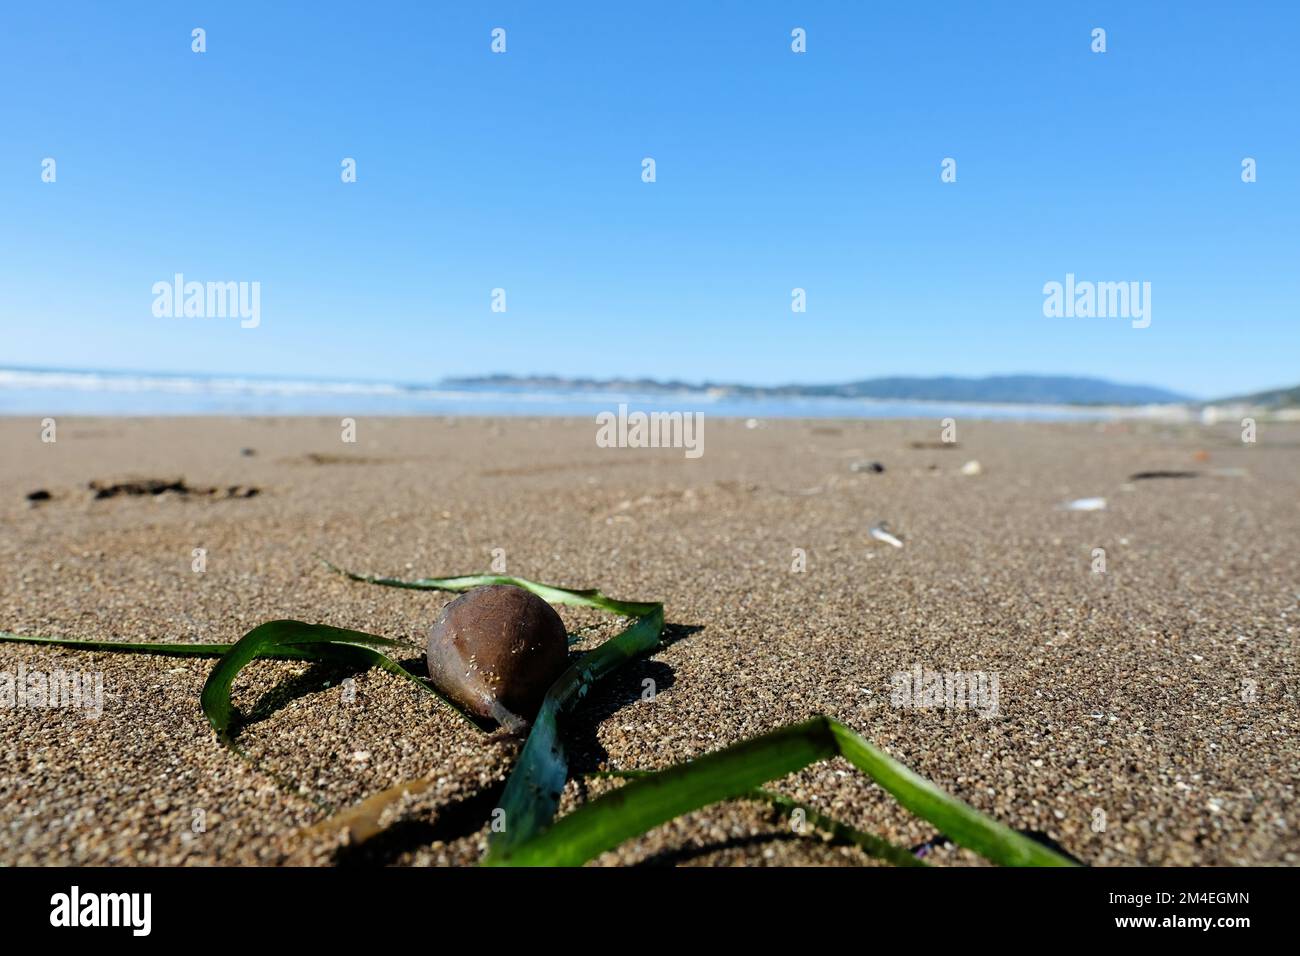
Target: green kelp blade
[
  {"x": 532, "y": 793},
  {"x": 269, "y": 639},
  {"x": 275, "y": 640},
  {"x": 547, "y": 592},
  {"x": 726, "y": 774},
  {"x": 159, "y": 648},
  {"x": 959, "y": 821},
  {"x": 838, "y": 830}
]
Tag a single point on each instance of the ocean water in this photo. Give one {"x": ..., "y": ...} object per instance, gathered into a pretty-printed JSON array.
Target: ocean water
[{"x": 40, "y": 393}]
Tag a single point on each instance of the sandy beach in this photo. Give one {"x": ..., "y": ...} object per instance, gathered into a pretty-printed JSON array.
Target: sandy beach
[{"x": 1146, "y": 715}]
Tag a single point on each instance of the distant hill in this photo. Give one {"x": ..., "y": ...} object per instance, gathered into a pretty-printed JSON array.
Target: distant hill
[
  {"x": 995, "y": 389},
  {"x": 1270, "y": 398}
]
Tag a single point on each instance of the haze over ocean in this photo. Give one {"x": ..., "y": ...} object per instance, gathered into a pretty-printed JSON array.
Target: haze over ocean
[{"x": 27, "y": 392}]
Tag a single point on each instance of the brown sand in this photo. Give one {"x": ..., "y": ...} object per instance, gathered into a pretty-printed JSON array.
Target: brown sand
[{"x": 1123, "y": 692}]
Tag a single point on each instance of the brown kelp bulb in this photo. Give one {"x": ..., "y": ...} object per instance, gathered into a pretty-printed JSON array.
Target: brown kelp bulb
[{"x": 496, "y": 650}]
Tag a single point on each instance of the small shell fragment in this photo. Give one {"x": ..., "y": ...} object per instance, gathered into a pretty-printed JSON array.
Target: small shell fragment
[
  {"x": 881, "y": 532},
  {"x": 1085, "y": 504},
  {"x": 874, "y": 467}
]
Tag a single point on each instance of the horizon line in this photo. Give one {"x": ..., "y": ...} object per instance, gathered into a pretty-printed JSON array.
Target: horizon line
[{"x": 1184, "y": 397}]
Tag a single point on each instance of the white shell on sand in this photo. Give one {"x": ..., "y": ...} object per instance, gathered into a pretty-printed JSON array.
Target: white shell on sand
[
  {"x": 1085, "y": 504},
  {"x": 881, "y": 533}
]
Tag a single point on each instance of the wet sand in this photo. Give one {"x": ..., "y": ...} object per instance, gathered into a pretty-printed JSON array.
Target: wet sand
[{"x": 1145, "y": 715}]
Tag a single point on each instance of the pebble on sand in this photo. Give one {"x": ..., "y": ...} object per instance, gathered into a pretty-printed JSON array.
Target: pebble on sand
[{"x": 496, "y": 650}]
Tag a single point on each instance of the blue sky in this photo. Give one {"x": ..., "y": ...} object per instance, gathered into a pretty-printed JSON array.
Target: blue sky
[{"x": 774, "y": 170}]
